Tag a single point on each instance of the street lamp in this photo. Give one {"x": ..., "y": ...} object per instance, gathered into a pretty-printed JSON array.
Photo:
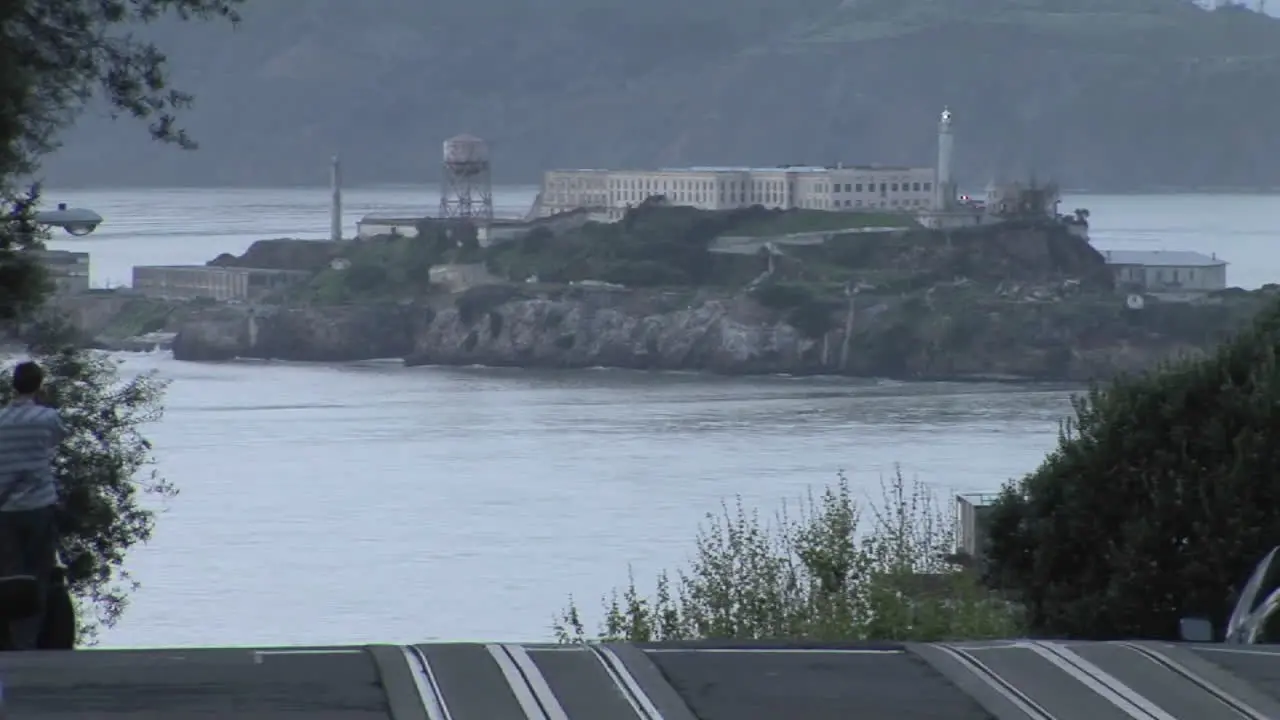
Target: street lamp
[{"x": 76, "y": 221}]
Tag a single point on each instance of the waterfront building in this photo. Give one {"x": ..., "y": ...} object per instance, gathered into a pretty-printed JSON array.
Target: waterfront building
[
  {"x": 848, "y": 188},
  {"x": 1174, "y": 274},
  {"x": 853, "y": 188}
]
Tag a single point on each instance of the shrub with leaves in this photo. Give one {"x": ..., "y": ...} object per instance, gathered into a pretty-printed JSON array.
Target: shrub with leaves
[
  {"x": 54, "y": 56},
  {"x": 103, "y": 469},
  {"x": 814, "y": 575},
  {"x": 1158, "y": 501}
]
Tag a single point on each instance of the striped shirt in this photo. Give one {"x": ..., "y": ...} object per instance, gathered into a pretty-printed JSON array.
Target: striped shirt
[{"x": 29, "y": 437}]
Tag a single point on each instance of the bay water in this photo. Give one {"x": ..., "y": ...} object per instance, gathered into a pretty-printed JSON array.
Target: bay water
[{"x": 369, "y": 502}]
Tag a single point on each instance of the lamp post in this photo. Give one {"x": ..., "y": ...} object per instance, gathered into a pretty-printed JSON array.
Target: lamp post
[{"x": 76, "y": 221}]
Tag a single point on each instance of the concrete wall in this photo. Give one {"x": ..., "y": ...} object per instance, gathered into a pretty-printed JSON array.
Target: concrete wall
[
  {"x": 69, "y": 271},
  {"x": 182, "y": 282},
  {"x": 404, "y": 227},
  {"x": 90, "y": 312},
  {"x": 500, "y": 232},
  {"x": 456, "y": 278}
]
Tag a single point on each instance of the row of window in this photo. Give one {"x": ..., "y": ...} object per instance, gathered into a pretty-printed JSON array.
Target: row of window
[
  {"x": 884, "y": 187},
  {"x": 732, "y": 199},
  {"x": 593, "y": 183},
  {"x": 824, "y": 187},
  {"x": 823, "y": 204},
  {"x": 693, "y": 185},
  {"x": 1162, "y": 275},
  {"x": 656, "y": 186}
]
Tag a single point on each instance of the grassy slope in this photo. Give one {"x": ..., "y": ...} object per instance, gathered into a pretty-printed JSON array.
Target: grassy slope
[{"x": 805, "y": 221}]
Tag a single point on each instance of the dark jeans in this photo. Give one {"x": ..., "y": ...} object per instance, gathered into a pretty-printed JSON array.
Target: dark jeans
[{"x": 28, "y": 546}]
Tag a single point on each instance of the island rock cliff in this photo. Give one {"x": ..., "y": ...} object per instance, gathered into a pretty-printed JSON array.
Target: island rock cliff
[
  {"x": 331, "y": 334},
  {"x": 942, "y": 336},
  {"x": 612, "y": 328}
]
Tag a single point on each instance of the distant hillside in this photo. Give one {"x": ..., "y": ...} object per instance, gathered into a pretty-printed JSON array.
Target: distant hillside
[{"x": 1100, "y": 94}]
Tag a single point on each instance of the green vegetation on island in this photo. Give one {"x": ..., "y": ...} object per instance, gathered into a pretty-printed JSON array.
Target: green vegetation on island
[
  {"x": 800, "y": 220},
  {"x": 654, "y": 246},
  {"x": 382, "y": 268},
  {"x": 102, "y": 468}
]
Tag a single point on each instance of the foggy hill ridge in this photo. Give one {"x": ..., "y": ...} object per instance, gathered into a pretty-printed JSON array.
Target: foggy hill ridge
[{"x": 1099, "y": 94}]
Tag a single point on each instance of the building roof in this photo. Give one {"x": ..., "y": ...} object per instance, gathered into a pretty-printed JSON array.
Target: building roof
[
  {"x": 747, "y": 169},
  {"x": 718, "y": 169},
  {"x": 391, "y": 217},
  {"x": 1162, "y": 258}
]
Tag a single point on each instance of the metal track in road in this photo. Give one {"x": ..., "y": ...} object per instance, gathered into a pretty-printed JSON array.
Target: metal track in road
[
  {"x": 1241, "y": 708},
  {"x": 627, "y": 685},
  {"x": 1015, "y": 696},
  {"x": 531, "y": 689},
  {"x": 429, "y": 690},
  {"x": 1099, "y": 681}
]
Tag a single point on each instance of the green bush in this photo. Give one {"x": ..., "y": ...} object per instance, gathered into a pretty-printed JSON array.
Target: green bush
[
  {"x": 102, "y": 470},
  {"x": 806, "y": 311},
  {"x": 1160, "y": 497},
  {"x": 814, "y": 319},
  {"x": 477, "y": 302},
  {"x": 814, "y": 576},
  {"x": 46, "y": 76},
  {"x": 380, "y": 268},
  {"x": 652, "y": 246},
  {"x": 644, "y": 273},
  {"x": 783, "y": 295}
]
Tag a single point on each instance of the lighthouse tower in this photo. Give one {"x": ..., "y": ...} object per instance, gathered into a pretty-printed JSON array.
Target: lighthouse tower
[
  {"x": 335, "y": 202},
  {"x": 944, "y": 194}
]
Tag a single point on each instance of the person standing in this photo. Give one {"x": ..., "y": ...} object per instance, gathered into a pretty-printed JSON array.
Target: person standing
[{"x": 29, "y": 436}]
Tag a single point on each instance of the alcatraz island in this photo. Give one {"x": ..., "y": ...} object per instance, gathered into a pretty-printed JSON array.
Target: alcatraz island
[{"x": 851, "y": 270}]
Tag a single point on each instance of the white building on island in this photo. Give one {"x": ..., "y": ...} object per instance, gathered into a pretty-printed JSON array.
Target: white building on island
[
  {"x": 854, "y": 188},
  {"x": 1175, "y": 274},
  {"x": 849, "y": 188}
]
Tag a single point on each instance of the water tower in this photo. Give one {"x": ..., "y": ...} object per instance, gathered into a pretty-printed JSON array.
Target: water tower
[{"x": 466, "y": 188}]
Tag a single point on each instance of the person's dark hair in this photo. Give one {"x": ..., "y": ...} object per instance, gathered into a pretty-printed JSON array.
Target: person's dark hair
[{"x": 27, "y": 378}]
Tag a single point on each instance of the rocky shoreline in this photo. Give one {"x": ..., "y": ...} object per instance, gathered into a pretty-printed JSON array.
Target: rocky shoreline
[{"x": 1078, "y": 341}]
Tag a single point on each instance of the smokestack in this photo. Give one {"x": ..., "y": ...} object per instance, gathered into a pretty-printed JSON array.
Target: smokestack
[{"x": 335, "y": 206}]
